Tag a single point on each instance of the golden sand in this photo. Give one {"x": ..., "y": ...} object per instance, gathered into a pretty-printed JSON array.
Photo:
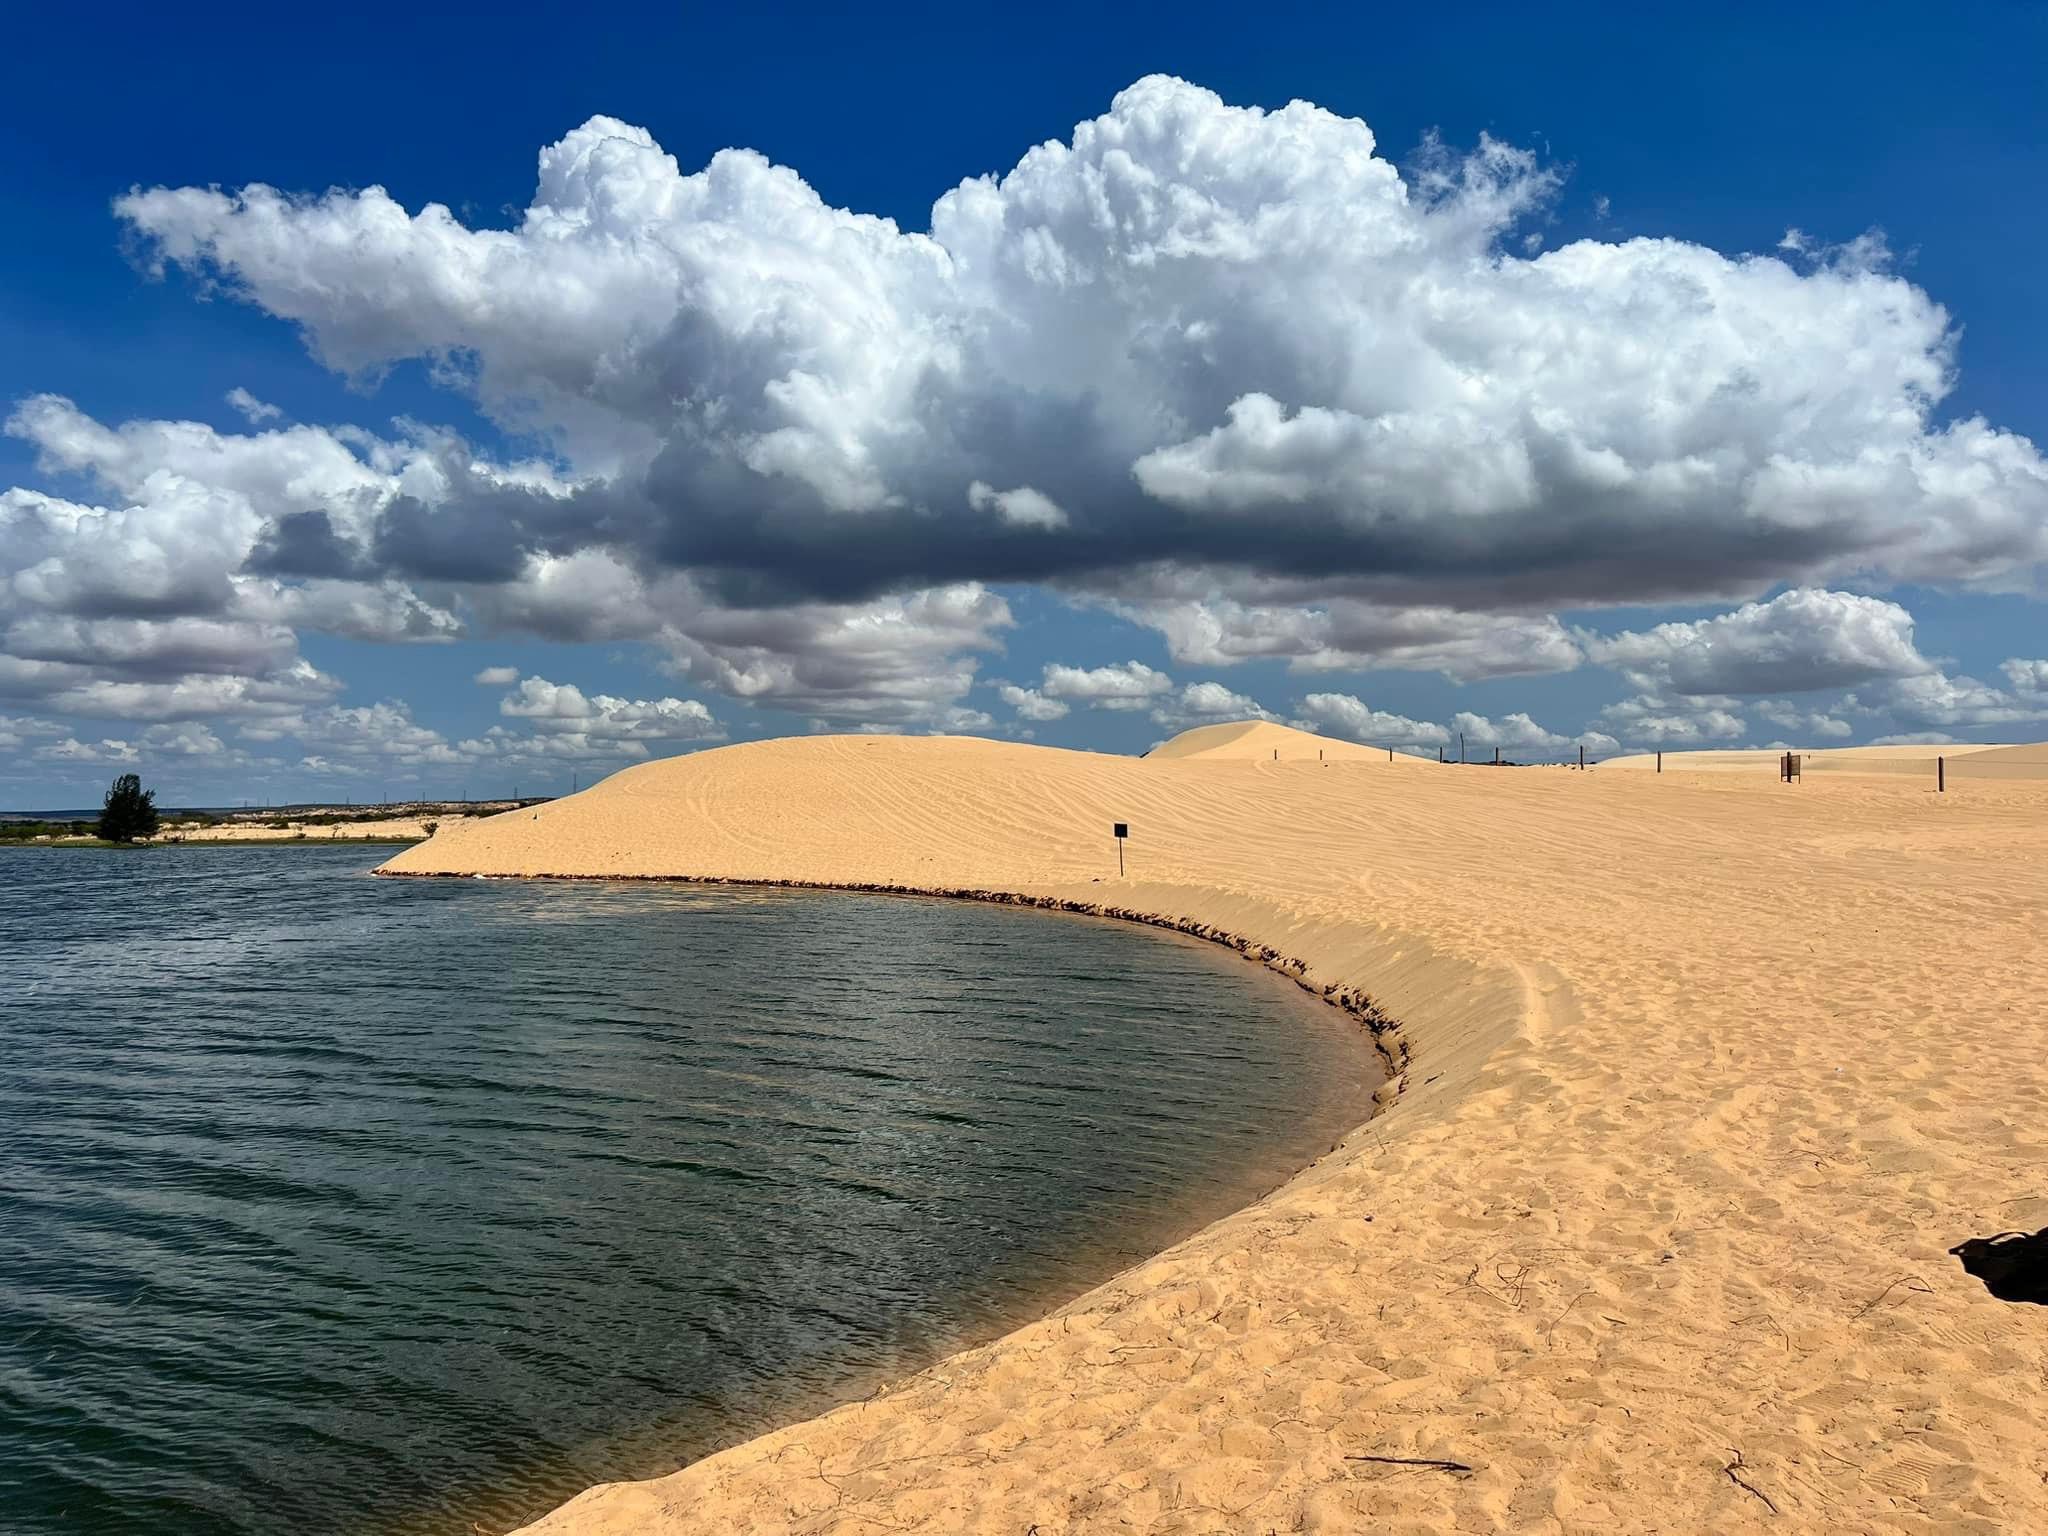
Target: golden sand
[
  {"x": 1705, "y": 1074},
  {"x": 337, "y": 832}
]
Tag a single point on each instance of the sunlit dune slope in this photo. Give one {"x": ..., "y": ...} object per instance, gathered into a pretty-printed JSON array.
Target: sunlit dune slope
[
  {"x": 1253, "y": 740},
  {"x": 1965, "y": 759}
]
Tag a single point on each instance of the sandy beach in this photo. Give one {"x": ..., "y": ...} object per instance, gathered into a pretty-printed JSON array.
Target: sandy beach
[
  {"x": 383, "y": 829},
  {"x": 1699, "y": 1078}
]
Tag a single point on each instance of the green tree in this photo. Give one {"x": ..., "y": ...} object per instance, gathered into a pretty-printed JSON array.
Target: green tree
[{"x": 129, "y": 811}]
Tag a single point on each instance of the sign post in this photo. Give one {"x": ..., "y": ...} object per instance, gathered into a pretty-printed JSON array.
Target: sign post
[{"x": 1122, "y": 829}]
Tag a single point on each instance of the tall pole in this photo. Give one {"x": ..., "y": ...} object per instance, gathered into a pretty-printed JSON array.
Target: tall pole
[
  {"x": 1941, "y": 775},
  {"x": 1461, "y": 746}
]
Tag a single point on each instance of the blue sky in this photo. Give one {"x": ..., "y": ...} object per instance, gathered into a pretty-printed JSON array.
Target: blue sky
[{"x": 770, "y": 524}]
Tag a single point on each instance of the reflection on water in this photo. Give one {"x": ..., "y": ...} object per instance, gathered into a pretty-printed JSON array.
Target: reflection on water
[{"x": 339, "y": 1204}]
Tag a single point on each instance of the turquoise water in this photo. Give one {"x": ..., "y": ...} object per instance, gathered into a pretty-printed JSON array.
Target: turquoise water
[{"x": 335, "y": 1204}]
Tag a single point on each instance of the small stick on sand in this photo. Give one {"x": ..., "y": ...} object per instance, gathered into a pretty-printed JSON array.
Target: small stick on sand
[
  {"x": 1734, "y": 1471},
  {"x": 1423, "y": 1461},
  {"x": 1911, "y": 1282}
]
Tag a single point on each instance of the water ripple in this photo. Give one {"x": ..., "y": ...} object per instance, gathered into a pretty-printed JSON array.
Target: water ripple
[{"x": 340, "y": 1205}]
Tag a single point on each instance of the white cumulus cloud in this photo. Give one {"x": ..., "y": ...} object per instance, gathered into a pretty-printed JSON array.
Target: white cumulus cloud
[
  {"x": 1346, "y": 715},
  {"x": 1798, "y": 642}
]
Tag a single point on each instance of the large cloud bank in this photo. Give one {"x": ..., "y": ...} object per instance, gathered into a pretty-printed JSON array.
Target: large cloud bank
[
  {"x": 1227, "y": 372},
  {"x": 1195, "y": 334}
]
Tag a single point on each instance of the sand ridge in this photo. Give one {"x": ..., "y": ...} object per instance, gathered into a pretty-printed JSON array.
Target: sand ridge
[{"x": 1705, "y": 1075}]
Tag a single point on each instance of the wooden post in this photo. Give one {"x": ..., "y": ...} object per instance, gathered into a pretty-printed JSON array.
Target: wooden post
[
  {"x": 1940, "y": 775},
  {"x": 1582, "y": 757},
  {"x": 1660, "y": 759},
  {"x": 1390, "y": 754},
  {"x": 1461, "y": 746},
  {"x": 1496, "y": 757},
  {"x": 1439, "y": 752}
]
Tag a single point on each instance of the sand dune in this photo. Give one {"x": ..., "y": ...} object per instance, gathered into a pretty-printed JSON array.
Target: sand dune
[
  {"x": 1967, "y": 758},
  {"x": 2022, "y": 762},
  {"x": 1703, "y": 1076},
  {"x": 1265, "y": 741}
]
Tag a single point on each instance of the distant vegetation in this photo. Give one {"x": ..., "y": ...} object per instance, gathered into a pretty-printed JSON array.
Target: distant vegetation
[
  {"x": 29, "y": 831},
  {"x": 129, "y": 811}
]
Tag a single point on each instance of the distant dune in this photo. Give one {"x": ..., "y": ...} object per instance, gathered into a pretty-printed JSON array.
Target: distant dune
[
  {"x": 1964, "y": 759},
  {"x": 1248, "y": 740},
  {"x": 1698, "y": 1078}
]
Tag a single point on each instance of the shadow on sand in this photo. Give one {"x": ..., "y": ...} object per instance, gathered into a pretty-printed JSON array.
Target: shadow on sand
[{"x": 2012, "y": 1265}]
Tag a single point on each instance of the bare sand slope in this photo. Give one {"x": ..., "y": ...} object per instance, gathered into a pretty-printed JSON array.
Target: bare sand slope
[
  {"x": 2022, "y": 762},
  {"x": 1967, "y": 758},
  {"x": 1704, "y": 1077},
  {"x": 1265, "y": 741}
]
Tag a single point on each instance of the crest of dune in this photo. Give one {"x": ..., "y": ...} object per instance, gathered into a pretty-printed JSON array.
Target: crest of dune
[{"x": 1263, "y": 741}]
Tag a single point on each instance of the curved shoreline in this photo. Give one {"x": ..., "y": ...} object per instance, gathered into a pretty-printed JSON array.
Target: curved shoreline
[
  {"x": 1383, "y": 1032},
  {"x": 1692, "y": 1071}
]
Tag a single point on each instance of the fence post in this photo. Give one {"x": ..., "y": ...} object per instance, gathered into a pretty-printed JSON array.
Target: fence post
[
  {"x": 1660, "y": 759},
  {"x": 1940, "y": 775}
]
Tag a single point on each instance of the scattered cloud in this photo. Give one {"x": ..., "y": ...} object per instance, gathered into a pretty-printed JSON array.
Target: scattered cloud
[
  {"x": 1516, "y": 731},
  {"x": 1124, "y": 685},
  {"x": 1936, "y": 700},
  {"x": 497, "y": 677},
  {"x": 1798, "y": 642},
  {"x": 1206, "y": 704},
  {"x": 254, "y": 411},
  {"x": 1021, "y": 508},
  {"x": 1030, "y": 704},
  {"x": 563, "y": 710},
  {"x": 1691, "y": 722},
  {"x": 1346, "y": 715},
  {"x": 1312, "y": 631}
]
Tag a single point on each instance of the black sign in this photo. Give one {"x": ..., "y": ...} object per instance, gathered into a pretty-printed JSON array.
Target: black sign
[{"x": 1121, "y": 828}]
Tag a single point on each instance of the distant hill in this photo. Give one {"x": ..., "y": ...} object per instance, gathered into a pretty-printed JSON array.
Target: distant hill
[
  {"x": 1966, "y": 760},
  {"x": 1260, "y": 740}
]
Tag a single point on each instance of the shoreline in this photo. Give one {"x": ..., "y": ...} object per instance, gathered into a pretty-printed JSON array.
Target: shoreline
[
  {"x": 1054, "y": 1298},
  {"x": 1382, "y": 1033},
  {"x": 1546, "y": 1258}
]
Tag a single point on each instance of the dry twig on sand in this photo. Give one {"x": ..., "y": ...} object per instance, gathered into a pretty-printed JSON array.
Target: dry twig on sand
[
  {"x": 1911, "y": 1282},
  {"x": 1734, "y": 1469},
  {"x": 1413, "y": 1461}
]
